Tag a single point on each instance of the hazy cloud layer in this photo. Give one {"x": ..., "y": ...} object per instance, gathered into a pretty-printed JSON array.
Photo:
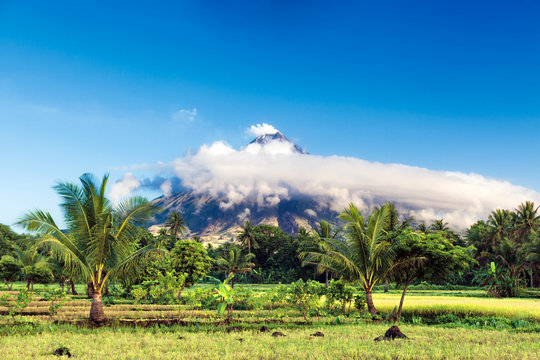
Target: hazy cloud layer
[
  {"x": 185, "y": 115},
  {"x": 266, "y": 174}
]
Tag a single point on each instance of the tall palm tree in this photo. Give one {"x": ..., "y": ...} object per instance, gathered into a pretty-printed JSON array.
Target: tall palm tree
[
  {"x": 499, "y": 222},
  {"x": 100, "y": 242},
  {"x": 246, "y": 236},
  {"x": 367, "y": 255},
  {"x": 321, "y": 255},
  {"x": 235, "y": 263},
  {"x": 527, "y": 219},
  {"x": 439, "y": 225},
  {"x": 176, "y": 225}
]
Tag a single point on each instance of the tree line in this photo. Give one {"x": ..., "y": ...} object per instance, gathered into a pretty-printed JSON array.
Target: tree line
[{"x": 104, "y": 243}]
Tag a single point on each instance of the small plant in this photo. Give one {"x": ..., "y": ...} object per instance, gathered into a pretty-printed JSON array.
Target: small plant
[
  {"x": 226, "y": 295},
  {"x": 304, "y": 294},
  {"x": 57, "y": 299},
  {"x": 17, "y": 305},
  {"x": 138, "y": 293}
]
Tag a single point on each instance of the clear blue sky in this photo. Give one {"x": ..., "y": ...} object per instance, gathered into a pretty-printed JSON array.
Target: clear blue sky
[{"x": 450, "y": 85}]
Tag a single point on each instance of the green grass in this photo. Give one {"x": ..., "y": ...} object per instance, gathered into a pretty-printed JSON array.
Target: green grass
[{"x": 339, "y": 342}]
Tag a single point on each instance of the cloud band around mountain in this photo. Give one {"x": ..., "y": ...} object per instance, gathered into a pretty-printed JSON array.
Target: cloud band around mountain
[{"x": 267, "y": 174}]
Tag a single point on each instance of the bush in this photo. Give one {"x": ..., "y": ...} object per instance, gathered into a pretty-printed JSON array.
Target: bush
[
  {"x": 340, "y": 292},
  {"x": 304, "y": 295}
]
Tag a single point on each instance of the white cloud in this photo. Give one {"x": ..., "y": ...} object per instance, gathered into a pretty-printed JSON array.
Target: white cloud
[
  {"x": 264, "y": 177},
  {"x": 261, "y": 129},
  {"x": 244, "y": 214},
  {"x": 124, "y": 187},
  {"x": 186, "y": 115},
  {"x": 166, "y": 187},
  {"x": 311, "y": 212}
]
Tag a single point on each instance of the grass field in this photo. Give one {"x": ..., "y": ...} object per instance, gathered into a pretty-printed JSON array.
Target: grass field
[
  {"x": 339, "y": 342},
  {"x": 499, "y": 329}
]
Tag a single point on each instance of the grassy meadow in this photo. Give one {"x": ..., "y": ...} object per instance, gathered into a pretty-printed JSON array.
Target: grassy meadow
[
  {"x": 478, "y": 328},
  {"x": 339, "y": 342}
]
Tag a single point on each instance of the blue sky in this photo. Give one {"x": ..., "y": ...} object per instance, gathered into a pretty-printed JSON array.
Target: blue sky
[{"x": 97, "y": 86}]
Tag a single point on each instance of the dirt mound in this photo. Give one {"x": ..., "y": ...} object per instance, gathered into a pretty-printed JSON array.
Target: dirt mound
[
  {"x": 393, "y": 333},
  {"x": 318, "y": 333},
  {"x": 62, "y": 351},
  {"x": 277, "y": 334}
]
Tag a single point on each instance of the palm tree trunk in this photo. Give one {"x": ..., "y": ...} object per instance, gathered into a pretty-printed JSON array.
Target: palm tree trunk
[
  {"x": 386, "y": 286},
  {"x": 369, "y": 300},
  {"x": 73, "y": 290},
  {"x": 402, "y": 299},
  {"x": 96, "y": 310},
  {"x": 326, "y": 279},
  {"x": 28, "y": 284}
]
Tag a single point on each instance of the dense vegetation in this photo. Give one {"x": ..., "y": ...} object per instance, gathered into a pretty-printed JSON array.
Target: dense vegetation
[{"x": 337, "y": 273}]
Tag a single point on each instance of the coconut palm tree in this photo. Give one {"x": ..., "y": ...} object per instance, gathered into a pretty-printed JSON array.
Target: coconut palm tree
[
  {"x": 176, "y": 225},
  {"x": 235, "y": 263},
  {"x": 499, "y": 222},
  {"x": 439, "y": 225},
  {"x": 321, "y": 255},
  {"x": 100, "y": 242},
  {"x": 246, "y": 236},
  {"x": 367, "y": 254},
  {"x": 527, "y": 219}
]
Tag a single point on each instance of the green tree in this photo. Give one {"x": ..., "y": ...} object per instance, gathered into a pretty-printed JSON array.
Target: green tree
[
  {"x": 190, "y": 258},
  {"x": 439, "y": 225},
  {"x": 10, "y": 270},
  {"x": 235, "y": 263},
  {"x": 367, "y": 255},
  {"x": 100, "y": 242},
  {"x": 431, "y": 258},
  {"x": 246, "y": 236},
  {"x": 176, "y": 225},
  {"x": 320, "y": 253}
]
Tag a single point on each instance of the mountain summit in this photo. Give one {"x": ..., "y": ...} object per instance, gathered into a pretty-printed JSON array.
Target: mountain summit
[{"x": 266, "y": 139}]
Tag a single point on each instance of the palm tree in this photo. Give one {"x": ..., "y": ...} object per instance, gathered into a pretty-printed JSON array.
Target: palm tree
[
  {"x": 100, "y": 242},
  {"x": 499, "y": 221},
  {"x": 439, "y": 225},
  {"x": 321, "y": 255},
  {"x": 246, "y": 236},
  {"x": 367, "y": 254},
  {"x": 235, "y": 263},
  {"x": 423, "y": 228},
  {"x": 176, "y": 225},
  {"x": 527, "y": 219}
]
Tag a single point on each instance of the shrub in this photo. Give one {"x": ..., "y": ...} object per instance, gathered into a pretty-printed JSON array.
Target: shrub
[{"x": 340, "y": 292}]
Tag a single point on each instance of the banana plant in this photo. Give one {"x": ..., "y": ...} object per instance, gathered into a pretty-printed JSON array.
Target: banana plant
[{"x": 226, "y": 294}]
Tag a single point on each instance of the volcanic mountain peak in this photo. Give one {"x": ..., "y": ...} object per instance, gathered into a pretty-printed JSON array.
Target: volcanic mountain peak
[{"x": 277, "y": 137}]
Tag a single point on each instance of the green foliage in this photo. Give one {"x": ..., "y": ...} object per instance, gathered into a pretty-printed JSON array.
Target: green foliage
[
  {"x": 190, "y": 258},
  {"x": 226, "y": 295},
  {"x": 18, "y": 304},
  {"x": 360, "y": 302},
  {"x": 340, "y": 292},
  {"x": 138, "y": 293},
  {"x": 57, "y": 299},
  {"x": 304, "y": 295},
  {"x": 498, "y": 281},
  {"x": 164, "y": 289},
  {"x": 10, "y": 269}
]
